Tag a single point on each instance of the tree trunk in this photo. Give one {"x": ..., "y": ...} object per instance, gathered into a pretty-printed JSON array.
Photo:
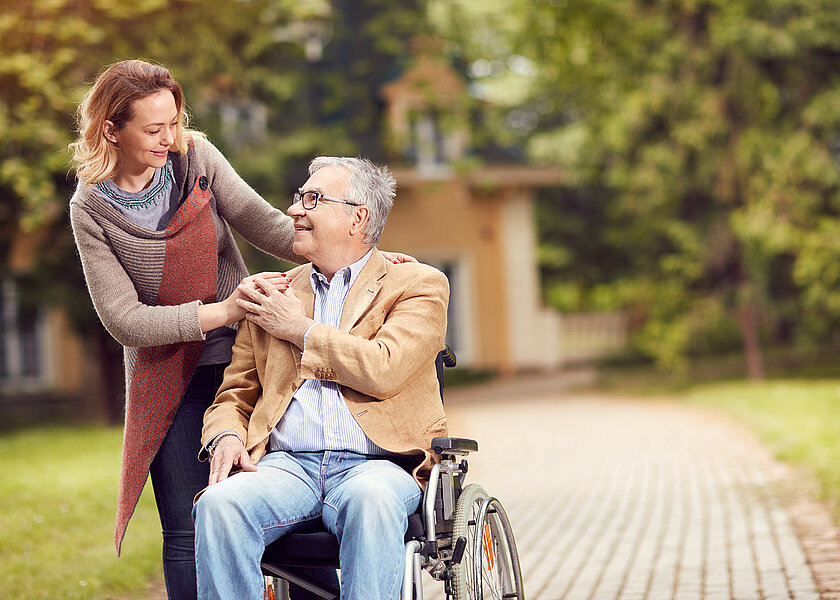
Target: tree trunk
[
  {"x": 748, "y": 323},
  {"x": 110, "y": 377}
]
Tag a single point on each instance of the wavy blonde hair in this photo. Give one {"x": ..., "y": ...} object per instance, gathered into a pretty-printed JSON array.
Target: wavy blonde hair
[{"x": 111, "y": 97}]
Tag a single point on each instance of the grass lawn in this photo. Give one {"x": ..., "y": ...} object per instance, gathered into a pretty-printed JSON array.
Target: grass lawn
[
  {"x": 798, "y": 419},
  {"x": 58, "y": 495}
]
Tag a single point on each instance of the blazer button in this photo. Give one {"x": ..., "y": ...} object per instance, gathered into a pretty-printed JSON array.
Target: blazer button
[{"x": 202, "y": 182}]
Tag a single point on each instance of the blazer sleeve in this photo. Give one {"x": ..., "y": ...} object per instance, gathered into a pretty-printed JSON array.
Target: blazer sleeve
[
  {"x": 115, "y": 299},
  {"x": 267, "y": 228},
  {"x": 380, "y": 363},
  {"x": 239, "y": 392}
]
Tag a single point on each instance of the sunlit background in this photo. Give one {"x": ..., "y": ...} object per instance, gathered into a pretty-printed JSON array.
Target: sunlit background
[{"x": 608, "y": 183}]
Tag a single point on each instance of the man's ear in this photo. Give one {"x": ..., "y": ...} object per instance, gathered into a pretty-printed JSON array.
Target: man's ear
[
  {"x": 109, "y": 131},
  {"x": 358, "y": 224}
]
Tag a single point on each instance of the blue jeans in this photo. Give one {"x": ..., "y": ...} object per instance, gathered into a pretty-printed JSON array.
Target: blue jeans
[
  {"x": 177, "y": 476},
  {"x": 364, "y": 502}
]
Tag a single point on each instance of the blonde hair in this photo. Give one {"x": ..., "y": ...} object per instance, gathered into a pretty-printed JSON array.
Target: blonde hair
[{"x": 111, "y": 97}]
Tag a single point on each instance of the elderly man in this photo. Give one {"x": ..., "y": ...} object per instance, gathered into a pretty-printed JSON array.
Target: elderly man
[{"x": 331, "y": 400}]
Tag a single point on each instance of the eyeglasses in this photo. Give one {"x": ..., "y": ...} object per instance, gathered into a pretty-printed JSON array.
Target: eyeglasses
[{"x": 310, "y": 199}]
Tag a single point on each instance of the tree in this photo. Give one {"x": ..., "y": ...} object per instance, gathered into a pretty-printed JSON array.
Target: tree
[
  {"x": 710, "y": 129},
  {"x": 50, "y": 51},
  {"x": 273, "y": 82}
]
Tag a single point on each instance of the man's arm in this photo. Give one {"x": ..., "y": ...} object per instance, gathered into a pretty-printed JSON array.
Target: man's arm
[
  {"x": 378, "y": 359},
  {"x": 379, "y": 356},
  {"x": 232, "y": 410}
]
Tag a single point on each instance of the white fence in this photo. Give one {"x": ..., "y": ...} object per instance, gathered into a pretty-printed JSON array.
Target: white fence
[{"x": 589, "y": 336}]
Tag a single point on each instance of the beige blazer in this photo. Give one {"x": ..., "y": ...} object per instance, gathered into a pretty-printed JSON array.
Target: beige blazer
[{"x": 382, "y": 355}]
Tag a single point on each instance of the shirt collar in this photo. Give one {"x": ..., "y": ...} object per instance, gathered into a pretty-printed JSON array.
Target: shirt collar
[{"x": 347, "y": 274}]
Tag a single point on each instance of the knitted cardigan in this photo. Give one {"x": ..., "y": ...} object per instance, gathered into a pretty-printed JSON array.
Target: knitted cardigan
[{"x": 134, "y": 278}]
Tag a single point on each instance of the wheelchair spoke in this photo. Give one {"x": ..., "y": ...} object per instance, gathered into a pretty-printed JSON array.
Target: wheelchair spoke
[{"x": 490, "y": 566}]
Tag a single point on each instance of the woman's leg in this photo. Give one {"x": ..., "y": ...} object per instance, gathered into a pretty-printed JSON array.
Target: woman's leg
[{"x": 177, "y": 476}]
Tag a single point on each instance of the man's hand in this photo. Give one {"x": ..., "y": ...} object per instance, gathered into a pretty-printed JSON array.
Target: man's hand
[
  {"x": 217, "y": 314},
  {"x": 229, "y": 453},
  {"x": 280, "y": 313}
]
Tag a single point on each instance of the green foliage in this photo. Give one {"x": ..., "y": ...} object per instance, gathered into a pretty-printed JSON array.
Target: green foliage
[
  {"x": 58, "y": 518},
  {"x": 703, "y": 136},
  {"x": 236, "y": 60}
]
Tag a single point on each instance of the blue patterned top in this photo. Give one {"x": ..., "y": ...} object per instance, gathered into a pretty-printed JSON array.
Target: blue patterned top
[{"x": 152, "y": 207}]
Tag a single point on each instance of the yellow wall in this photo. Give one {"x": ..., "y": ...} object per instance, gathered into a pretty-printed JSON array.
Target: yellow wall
[{"x": 445, "y": 220}]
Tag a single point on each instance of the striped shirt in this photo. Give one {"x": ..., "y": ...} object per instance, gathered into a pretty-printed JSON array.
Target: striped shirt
[{"x": 317, "y": 418}]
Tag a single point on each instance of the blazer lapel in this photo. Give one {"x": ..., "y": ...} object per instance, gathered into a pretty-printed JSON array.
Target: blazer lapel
[
  {"x": 364, "y": 290},
  {"x": 302, "y": 287}
]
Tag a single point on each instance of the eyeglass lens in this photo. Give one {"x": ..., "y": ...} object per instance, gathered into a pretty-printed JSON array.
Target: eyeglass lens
[{"x": 308, "y": 199}]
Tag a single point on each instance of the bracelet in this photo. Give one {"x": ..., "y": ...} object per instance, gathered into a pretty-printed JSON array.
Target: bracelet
[{"x": 211, "y": 448}]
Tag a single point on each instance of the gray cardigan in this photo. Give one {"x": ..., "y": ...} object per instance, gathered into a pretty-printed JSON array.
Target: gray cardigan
[
  {"x": 123, "y": 267},
  {"x": 123, "y": 262}
]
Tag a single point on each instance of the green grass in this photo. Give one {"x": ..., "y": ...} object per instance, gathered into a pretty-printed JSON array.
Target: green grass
[
  {"x": 798, "y": 419},
  {"x": 58, "y": 496}
]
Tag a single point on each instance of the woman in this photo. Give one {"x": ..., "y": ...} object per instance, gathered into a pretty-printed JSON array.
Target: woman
[{"x": 151, "y": 216}]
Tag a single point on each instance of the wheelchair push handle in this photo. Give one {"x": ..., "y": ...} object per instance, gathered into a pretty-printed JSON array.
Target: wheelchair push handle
[
  {"x": 449, "y": 358},
  {"x": 453, "y": 445}
]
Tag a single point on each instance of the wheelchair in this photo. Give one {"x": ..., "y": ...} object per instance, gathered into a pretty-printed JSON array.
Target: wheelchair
[{"x": 460, "y": 535}]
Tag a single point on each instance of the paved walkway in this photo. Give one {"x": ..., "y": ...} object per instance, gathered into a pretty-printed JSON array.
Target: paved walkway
[
  {"x": 620, "y": 499},
  {"x": 617, "y": 499}
]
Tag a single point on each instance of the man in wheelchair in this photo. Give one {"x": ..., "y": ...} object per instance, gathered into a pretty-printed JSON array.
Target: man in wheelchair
[{"x": 331, "y": 401}]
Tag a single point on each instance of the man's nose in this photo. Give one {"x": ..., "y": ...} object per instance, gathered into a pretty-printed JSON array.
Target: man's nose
[{"x": 296, "y": 209}]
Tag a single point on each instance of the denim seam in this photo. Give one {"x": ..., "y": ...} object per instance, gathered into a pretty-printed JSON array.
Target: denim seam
[{"x": 312, "y": 517}]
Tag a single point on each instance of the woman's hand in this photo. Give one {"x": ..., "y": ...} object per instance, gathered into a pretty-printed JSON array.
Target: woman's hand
[
  {"x": 398, "y": 257},
  {"x": 228, "y": 310}
]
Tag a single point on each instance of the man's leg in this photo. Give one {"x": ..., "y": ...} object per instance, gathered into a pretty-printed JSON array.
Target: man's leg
[
  {"x": 367, "y": 505},
  {"x": 236, "y": 518}
]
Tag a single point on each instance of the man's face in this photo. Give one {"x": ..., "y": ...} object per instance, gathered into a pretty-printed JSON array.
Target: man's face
[{"x": 321, "y": 232}]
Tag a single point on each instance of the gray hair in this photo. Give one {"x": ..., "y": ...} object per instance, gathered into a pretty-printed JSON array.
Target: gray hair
[{"x": 370, "y": 185}]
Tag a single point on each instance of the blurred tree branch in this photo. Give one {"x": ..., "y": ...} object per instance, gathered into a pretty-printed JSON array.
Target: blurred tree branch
[{"x": 707, "y": 133}]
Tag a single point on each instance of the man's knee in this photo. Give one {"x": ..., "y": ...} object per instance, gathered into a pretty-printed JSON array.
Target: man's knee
[{"x": 217, "y": 508}]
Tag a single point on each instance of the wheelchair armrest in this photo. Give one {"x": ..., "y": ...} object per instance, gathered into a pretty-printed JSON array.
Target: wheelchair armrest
[{"x": 451, "y": 445}]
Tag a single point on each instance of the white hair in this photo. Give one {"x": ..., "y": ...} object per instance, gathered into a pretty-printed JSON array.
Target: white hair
[{"x": 371, "y": 185}]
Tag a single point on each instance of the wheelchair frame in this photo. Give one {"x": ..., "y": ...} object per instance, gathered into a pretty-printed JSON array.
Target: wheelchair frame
[
  {"x": 460, "y": 535},
  {"x": 466, "y": 540}
]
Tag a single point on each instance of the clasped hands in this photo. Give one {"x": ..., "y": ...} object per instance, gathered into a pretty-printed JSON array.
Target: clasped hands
[{"x": 269, "y": 302}]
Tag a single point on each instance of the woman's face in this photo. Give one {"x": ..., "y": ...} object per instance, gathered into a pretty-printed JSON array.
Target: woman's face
[{"x": 143, "y": 142}]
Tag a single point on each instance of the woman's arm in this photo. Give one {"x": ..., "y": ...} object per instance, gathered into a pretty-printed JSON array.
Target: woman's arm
[
  {"x": 127, "y": 319},
  {"x": 115, "y": 299},
  {"x": 264, "y": 226}
]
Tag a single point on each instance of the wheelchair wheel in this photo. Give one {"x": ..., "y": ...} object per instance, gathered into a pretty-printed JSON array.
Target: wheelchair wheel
[{"x": 489, "y": 567}]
